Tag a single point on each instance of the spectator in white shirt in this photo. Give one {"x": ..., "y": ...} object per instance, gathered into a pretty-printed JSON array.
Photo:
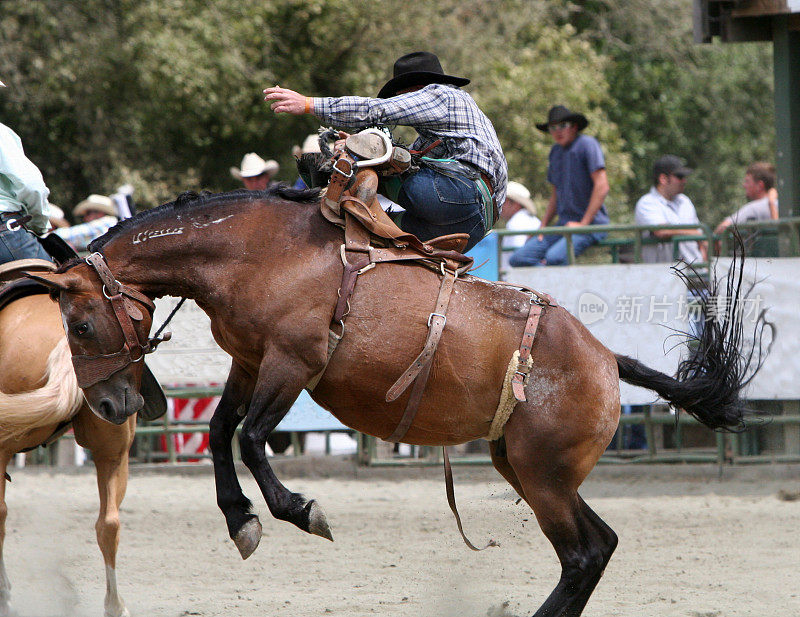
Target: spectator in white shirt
[
  {"x": 666, "y": 204},
  {"x": 759, "y": 188},
  {"x": 519, "y": 213}
]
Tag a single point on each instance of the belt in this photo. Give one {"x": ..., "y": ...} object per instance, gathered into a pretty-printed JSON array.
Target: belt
[
  {"x": 488, "y": 181},
  {"x": 10, "y": 214}
]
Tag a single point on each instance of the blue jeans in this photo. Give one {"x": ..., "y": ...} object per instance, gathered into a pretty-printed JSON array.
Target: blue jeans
[
  {"x": 18, "y": 244},
  {"x": 551, "y": 250},
  {"x": 437, "y": 204}
]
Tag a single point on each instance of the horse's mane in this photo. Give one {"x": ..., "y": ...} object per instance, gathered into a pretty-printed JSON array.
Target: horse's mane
[{"x": 190, "y": 199}]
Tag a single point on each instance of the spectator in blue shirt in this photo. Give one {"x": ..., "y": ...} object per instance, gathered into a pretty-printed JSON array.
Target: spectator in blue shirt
[
  {"x": 463, "y": 181},
  {"x": 577, "y": 173}
]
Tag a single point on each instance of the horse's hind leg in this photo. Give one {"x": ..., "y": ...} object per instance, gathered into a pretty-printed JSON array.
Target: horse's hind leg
[
  {"x": 243, "y": 526},
  {"x": 549, "y": 478},
  {"x": 497, "y": 449},
  {"x": 109, "y": 445},
  {"x": 273, "y": 395},
  {"x": 5, "y": 585}
]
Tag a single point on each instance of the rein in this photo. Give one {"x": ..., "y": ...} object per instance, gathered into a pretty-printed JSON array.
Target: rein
[{"x": 91, "y": 370}]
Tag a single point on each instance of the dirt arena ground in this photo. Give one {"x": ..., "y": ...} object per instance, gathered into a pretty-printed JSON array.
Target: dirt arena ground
[{"x": 691, "y": 545}]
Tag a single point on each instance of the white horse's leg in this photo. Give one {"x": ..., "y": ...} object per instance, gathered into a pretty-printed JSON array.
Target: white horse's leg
[
  {"x": 5, "y": 585},
  {"x": 109, "y": 445},
  {"x": 112, "y": 479}
]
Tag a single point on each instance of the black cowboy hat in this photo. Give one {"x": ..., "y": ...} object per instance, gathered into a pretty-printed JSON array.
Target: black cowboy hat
[
  {"x": 419, "y": 68},
  {"x": 559, "y": 113}
]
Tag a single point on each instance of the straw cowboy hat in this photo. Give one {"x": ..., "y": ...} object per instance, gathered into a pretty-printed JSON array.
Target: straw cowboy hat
[
  {"x": 517, "y": 192},
  {"x": 559, "y": 113},
  {"x": 311, "y": 144},
  {"x": 419, "y": 68},
  {"x": 253, "y": 165},
  {"x": 98, "y": 203}
]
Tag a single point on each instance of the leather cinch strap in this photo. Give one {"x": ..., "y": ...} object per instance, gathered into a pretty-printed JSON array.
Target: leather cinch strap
[
  {"x": 451, "y": 501},
  {"x": 520, "y": 378},
  {"x": 421, "y": 367}
]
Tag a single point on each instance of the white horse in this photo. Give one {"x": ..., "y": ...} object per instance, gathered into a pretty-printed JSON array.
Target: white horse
[{"x": 38, "y": 393}]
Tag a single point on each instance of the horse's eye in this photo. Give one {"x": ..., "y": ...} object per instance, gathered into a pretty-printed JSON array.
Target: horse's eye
[{"x": 80, "y": 329}]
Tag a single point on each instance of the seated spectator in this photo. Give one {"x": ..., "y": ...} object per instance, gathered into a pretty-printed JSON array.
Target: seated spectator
[
  {"x": 577, "y": 173},
  {"x": 311, "y": 144},
  {"x": 759, "y": 188},
  {"x": 98, "y": 214},
  {"x": 666, "y": 204},
  {"x": 519, "y": 213},
  {"x": 256, "y": 174}
]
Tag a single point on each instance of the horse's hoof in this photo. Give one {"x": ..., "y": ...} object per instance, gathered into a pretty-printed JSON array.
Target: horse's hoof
[
  {"x": 248, "y": 537},
  {"x": 317, "y": 523}
]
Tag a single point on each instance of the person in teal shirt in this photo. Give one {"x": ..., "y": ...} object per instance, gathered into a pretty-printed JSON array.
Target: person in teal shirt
[{"x": 22, "y": 193}]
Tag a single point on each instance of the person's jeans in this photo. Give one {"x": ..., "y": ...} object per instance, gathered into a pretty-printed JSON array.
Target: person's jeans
[
  {"x": 437, "y": 204},
  {"x": 18, "y": 244},
  {"x": 551, "y": 250}
]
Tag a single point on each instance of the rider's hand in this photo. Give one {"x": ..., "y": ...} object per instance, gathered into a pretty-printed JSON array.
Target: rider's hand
[
  {"x": 287, "y": 101},
  {"x": 338, "y": 145}
]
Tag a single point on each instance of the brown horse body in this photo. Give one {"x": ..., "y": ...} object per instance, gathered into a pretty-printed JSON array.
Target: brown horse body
[
  {"x": 266, "y": 268},
  {"x": 37, "y": 392}
]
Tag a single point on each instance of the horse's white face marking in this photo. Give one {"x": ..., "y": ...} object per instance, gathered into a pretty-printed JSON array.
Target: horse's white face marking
[
  {"x": 199, "y": 225},
  {"x": 144, "y": 236}
]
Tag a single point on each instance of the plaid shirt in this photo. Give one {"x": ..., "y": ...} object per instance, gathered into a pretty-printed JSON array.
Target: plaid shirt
[
  {"x": 436, "y": 112},
  {"x": 81, "y": 235}
]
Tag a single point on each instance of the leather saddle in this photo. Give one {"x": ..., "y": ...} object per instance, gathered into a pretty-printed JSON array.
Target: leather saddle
[{"x": 352, "y": 191}]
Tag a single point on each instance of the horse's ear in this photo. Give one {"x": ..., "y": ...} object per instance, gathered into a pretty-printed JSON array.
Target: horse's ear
[{"x": 53, "y": 280}]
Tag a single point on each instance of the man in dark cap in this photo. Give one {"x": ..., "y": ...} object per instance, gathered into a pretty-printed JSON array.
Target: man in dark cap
[
  {"x": 577, "y": 173},
  {"x": 462, "y": 180},
  {"x": 666, "y": 204}
]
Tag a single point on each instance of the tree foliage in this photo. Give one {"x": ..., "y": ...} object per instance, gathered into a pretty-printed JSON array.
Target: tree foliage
[{"x": 166, "y": 94}]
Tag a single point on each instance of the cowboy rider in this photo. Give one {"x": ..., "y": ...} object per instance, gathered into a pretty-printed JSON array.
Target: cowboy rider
[
  {"x": 23, "y": 193},
  {"x": 462, "y": 182}
]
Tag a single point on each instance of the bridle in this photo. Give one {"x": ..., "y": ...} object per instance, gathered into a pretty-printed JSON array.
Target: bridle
[{"x": 93, "y": 369}]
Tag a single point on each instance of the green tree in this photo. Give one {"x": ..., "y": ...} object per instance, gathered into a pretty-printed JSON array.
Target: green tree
[{"x": 710, "y": 104}]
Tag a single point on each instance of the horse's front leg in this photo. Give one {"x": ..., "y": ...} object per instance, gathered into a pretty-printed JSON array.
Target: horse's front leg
[
  {"x": 243, "y": 526},
  {"x": 5, "y": 585},
  {"x": 109, "y": 445},
  {"x": 274, "y": 394}
]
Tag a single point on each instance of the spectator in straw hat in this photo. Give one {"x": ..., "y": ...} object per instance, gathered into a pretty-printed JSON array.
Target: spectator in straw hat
[
  {"x": 519, "y": 213},
  {"x": 311, "y": 144},
  {"x": 256, "y": 174},
  {"x": 98, "y": 213}
]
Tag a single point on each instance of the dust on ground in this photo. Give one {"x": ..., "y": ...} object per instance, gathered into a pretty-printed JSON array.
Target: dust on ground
[{"x": 692, "y": 544}]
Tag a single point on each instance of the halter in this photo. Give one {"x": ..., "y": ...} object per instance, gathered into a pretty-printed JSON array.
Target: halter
[{"x": 93, "y": 369}]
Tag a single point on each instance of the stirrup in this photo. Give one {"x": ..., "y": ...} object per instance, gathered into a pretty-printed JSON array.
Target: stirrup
[{"x": 371, "y": 147}]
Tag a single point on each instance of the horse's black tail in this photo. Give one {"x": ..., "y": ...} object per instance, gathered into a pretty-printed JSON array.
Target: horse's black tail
[{"x": 708, "y": 384}]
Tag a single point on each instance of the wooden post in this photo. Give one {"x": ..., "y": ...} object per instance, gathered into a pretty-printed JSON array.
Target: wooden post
[
  {"x": 786, "y": 50},
  {"x": 791, "y": 432}
]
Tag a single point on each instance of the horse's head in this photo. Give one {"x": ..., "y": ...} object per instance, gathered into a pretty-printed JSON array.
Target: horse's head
[{"x": 107, "y": 325}]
